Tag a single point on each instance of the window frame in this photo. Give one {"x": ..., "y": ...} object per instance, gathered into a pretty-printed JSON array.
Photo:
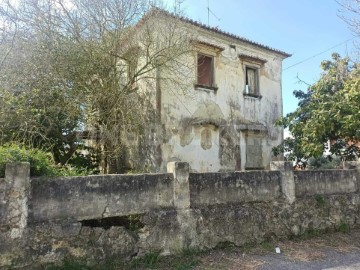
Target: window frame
[
  {"x": 212, "y": 75},
  {"x": 210, "y": 50},
  {"x": 257, "y": 64},
  {"x": 254, "y": 136},
  {"x": 256, "y": 92}
]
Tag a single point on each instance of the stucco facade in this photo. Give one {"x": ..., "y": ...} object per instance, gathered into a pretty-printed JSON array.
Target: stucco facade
[
  {"x": 222, "y": 125},
  {"x": 220, "y": 116}
]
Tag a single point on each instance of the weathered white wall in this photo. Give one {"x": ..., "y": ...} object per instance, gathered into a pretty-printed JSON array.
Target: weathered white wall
[{"x": 227, "y": 113}]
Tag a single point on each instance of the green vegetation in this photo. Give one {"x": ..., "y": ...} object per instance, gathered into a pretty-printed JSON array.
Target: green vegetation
[
  {"x": 320, "y": 200},
  {"x": 324, "y": 163},
  {"x": 327, "y": 117},
  {"x": 41, "y": 163},
  {"x": 308, "y": 234},
  {"x": 344, "y": 227}
]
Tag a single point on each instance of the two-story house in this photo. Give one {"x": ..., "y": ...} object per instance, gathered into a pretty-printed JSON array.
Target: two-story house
[{"x": 225, "y": 119}]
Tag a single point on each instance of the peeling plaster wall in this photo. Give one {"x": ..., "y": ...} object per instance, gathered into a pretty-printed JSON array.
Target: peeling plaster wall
[{"x": 239, "y": 113}]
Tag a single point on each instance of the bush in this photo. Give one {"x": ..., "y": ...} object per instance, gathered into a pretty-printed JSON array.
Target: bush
[
  {"x": 41, "y": 163},
  {"x": 324, "y": 163}
]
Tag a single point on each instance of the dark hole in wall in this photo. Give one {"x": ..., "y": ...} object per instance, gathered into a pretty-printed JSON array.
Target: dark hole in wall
[{"x": 130, "y": 222}]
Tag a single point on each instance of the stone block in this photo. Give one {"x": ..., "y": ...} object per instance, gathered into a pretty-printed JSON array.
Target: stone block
[
  {"x": 287, "y": 178},
  {"x": 180, "y": 171}
]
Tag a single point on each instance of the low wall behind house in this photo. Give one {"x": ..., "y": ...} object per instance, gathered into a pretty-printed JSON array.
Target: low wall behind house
[
  {"x": 233, "y": 187},
  {"x": 310, "y": 183},
  {"x": 94, "y": 197}
]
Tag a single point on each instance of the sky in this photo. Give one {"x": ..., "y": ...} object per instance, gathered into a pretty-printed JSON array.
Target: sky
[{"x": 303, "y": 28}]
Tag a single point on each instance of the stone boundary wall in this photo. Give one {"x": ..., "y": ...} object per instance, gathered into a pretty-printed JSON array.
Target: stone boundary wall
[
  {"x": 310, "y": 183},
  {"x": 95, "y": 218},
  {"x": 91, "y": 197},
  {"x": 234, "y": 187}
]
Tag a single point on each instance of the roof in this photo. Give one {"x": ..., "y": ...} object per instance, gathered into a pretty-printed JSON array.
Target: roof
[{"x": 216, "y": 30}]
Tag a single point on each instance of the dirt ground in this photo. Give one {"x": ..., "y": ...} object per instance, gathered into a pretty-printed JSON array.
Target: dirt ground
[{"x": 336, "y": 251}]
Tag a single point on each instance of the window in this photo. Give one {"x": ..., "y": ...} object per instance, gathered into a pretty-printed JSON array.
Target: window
[
  {"x": 252, "y": 66},
  {"x": 205, "y": 70},
  {"x": 128, "y": 68},
  {"x": 253, "y": 152},
  {"x": 251, "y": 81},
  {"x": 131, "y": 71}
]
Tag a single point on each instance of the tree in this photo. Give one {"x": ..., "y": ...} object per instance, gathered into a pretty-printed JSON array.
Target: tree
[
  {"x": 78, "y": 65},
  {"x": 327, "y": 117},
  {"x": 349, "y": 12}
]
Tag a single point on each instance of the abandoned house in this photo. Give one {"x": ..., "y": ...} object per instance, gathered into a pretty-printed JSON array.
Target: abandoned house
[{"x": 224, "y": 121}]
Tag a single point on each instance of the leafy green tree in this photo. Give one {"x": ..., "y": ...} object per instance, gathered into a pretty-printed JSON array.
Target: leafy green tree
[{"x": 328, "y": 117}]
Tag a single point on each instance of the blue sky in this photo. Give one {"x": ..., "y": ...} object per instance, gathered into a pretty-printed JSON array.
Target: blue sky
[{"x": 303, "y": 28}]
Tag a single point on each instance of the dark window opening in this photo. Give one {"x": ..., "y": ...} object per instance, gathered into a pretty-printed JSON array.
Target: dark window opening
[
  {"x": 205, "y": 70},
  {"x": 131, "y": 222},
  {"x": 252, "y": 82}
]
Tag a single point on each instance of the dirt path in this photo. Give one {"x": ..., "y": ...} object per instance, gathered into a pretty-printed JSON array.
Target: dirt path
[{"x": 331, "y": 251}]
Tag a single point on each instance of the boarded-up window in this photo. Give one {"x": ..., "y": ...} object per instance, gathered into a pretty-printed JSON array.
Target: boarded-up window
[
  {"x": 205, "y": 70},
  {"x": 253, "y": 152},
  {"x": 252, "y": 81}
]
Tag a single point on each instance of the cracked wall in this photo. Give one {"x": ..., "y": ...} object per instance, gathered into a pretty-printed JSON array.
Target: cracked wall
[
  {"x": 231, "y": 112},
  {"x": 124, "y": 216}
]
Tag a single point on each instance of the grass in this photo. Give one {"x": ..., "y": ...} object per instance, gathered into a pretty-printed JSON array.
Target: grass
[{"x": 150, "y": 261}]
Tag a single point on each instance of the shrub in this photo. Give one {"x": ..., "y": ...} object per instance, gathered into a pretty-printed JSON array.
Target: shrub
[
  {"x": 324, "y": 163},
  {"x": 41, "y": 163}
]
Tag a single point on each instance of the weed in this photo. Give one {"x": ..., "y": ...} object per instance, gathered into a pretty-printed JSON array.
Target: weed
[
  {"x": 267, "y": 246},
  {"x": 320, "y": 200},
  {"x": 187, "y": 260},
  {"x": 344, "y": 227},
  {"x": 150, "y": 260},
  {"x": 307, "y": 234},
  {"x": 69, "y": 265}
]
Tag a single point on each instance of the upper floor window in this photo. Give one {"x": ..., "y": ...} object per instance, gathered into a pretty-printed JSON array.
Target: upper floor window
[
  {"x": 206, "y": 55},
  {"x": 131, "y": 70},
  {"x": 252, "y": 66},
  {"x": 252, "y": 81},
  {"x": 205, "y": 70}
]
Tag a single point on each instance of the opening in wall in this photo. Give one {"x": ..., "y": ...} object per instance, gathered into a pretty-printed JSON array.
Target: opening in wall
[
  {"x": 254, "y": 160},
  {"x": 205, "y": 70},
  {"x": 252, "y": 81}
]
